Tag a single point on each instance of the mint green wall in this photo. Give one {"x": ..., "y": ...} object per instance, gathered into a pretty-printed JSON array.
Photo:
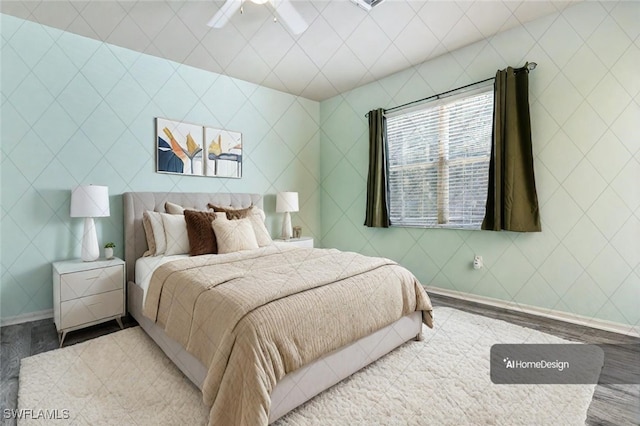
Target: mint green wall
[
  {"x": 585, "y": 114},
  {"x": 78, "y": 111}
]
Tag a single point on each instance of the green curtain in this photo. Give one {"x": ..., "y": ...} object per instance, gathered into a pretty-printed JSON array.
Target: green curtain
[
  {"x": 377, "y": 215},
  {"x": 512, "y": 202}
]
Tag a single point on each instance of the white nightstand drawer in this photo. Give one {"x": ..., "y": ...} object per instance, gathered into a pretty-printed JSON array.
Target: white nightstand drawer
[
  {"x": 91, "y": 308},
  {"x": 93, "y": 281}
]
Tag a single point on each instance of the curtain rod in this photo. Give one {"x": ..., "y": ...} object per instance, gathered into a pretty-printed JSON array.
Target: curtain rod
[{"x": 529, "y": 66}]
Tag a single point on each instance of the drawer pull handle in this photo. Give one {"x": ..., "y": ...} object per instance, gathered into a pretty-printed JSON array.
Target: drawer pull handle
[{"x": 92, "y": 278}]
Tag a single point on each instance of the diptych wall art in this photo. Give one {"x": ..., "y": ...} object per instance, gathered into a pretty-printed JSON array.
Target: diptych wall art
[{"x": 191, "y": 149}]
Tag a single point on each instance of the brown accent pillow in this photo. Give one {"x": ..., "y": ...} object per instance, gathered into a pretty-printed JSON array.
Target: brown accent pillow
[
  {"x": 231, "y": 212},
  {"x": 202, "y": 240}
]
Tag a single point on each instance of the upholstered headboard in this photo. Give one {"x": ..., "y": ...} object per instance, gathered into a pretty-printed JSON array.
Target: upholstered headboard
[{"x": 136, "y": 203}]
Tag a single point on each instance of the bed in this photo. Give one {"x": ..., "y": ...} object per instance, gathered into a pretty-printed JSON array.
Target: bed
[{"x": 292, "y": 388}]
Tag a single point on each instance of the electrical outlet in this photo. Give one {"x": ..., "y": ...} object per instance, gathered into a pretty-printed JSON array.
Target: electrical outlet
[{"x": 478, "y": 262}]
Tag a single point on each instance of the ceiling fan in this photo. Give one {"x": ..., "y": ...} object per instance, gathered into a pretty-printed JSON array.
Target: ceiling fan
[{"x": 289, "y": 16}]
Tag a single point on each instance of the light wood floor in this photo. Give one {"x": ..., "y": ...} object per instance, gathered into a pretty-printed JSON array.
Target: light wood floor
[{"x": 611, "y": 404}]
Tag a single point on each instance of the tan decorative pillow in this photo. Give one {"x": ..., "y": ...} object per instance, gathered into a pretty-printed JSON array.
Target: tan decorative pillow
[
  {"x": 234, "y": 235},
  {"x": 175, "y": 231},
  {"x": 202, "y": 240},
  {"x": 231, "y": 212},
  {"x": 255, "y": 215},
  {"x": 148, "y": 232},
  {"x": 154, "y": 230},
  {"x": 173, "y": 208}
]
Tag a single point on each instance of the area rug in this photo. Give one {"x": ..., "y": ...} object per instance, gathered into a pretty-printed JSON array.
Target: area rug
[{"x": 124, "y": 378}]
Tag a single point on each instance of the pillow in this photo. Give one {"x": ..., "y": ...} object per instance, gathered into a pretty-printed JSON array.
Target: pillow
[
  {"x": 202, "y": 240},
  {"x": 259, "y": 212},
  {"x": 175, "y": 231},
  {"x": 154, "y": 230},
  {"x": 173, "y": 208},
  {"x": 234, "y": 235},
  {"x": 262, "y": 234},
  {"x": 148, "y": 232},
  {"x": 231, "y": 212},
  {"x": 255, "y": 215}
]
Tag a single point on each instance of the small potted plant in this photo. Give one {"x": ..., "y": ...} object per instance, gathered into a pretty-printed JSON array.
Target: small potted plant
[{"x": 108, "y": 250}]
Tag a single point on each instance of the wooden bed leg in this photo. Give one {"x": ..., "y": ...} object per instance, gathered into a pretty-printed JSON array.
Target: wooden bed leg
[{"x": 419, "y": 337}]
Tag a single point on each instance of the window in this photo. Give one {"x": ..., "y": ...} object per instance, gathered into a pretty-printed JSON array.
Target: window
[{"x": 439, "y": 161}]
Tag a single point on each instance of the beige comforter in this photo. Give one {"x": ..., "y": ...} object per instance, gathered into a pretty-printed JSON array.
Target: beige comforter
[{"x": 254, "y": 316}]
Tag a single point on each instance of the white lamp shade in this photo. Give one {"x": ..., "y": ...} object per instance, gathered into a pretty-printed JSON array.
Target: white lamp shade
[
  {"x": 287, "y": 202},
  {"x": 90, "y": 201}
]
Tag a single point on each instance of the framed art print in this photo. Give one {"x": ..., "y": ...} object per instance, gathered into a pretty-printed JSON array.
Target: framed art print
[
  {"x": 224, "y": 153},
  {"x": 179, "y": 147}
]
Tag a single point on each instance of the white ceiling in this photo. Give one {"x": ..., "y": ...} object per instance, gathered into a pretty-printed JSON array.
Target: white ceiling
[{"x": 344, "y": 46}]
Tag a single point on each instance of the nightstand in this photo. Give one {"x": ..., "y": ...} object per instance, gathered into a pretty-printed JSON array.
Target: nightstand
[
  {"x": 87, "y": 293},
  {"x": 306, "y": 242}
]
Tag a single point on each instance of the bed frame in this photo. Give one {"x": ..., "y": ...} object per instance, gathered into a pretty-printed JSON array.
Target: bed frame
[{"x": 296, "y": 387}]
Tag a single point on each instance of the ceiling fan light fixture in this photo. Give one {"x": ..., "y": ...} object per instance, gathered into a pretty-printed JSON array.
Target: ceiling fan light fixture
[
  {"x": 286, "y": 14},
  {"x": 367, "y": 4}
]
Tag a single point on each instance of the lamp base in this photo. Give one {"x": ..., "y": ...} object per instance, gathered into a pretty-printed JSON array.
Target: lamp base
[
  {"x": 287, "y": 232},
  {"x": 90, "y": 249}
]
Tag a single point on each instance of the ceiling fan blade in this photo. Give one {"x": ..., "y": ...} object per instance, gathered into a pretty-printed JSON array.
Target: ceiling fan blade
[
  {"x": 225, "y": 13},
  {"x": 290, "y": 16}
]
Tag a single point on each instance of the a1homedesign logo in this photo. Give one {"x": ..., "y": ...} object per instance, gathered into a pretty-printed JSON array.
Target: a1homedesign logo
[{"x": 546, "y": 363}]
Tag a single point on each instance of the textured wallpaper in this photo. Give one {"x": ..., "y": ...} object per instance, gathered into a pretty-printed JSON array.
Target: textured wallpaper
[
  {"x": 78, "y": 111},
  {"x": 585, "y": 107}
]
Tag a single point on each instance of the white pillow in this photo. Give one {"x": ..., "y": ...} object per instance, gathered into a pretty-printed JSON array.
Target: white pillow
[
  {"x": 175, "y": 231},
  {"x": 259, "y": 212},
  {"x": 257, "y": 222},
  {"x": 234, "y": 235},
  {"x": 173, "y": 208},
  {"x": 154, "y": 229}
]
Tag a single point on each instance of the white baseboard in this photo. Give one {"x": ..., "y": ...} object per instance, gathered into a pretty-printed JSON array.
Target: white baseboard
[
  {"x": 614, "y": 327},
  {"x": 31, "y": 316}
]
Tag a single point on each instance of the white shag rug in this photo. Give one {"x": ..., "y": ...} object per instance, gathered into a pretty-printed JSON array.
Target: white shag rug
[{"x": 124, "y": 378}]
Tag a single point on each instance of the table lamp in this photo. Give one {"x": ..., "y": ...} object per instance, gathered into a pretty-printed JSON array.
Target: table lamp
[
  {"x": 89, "y": 201},
  {"x": 286, "y": 202}
]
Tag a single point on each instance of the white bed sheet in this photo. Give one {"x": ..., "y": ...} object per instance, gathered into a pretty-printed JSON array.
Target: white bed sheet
[{"x": 145, "y": 266}]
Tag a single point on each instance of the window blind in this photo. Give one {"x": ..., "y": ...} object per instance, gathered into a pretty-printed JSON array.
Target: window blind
[{"x": 439, "y": 162}]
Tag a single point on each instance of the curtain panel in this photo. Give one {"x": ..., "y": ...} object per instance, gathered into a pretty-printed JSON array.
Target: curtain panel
[
  {"x": 512, "y": 201},
  {"x": 377, "y": 211}
]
